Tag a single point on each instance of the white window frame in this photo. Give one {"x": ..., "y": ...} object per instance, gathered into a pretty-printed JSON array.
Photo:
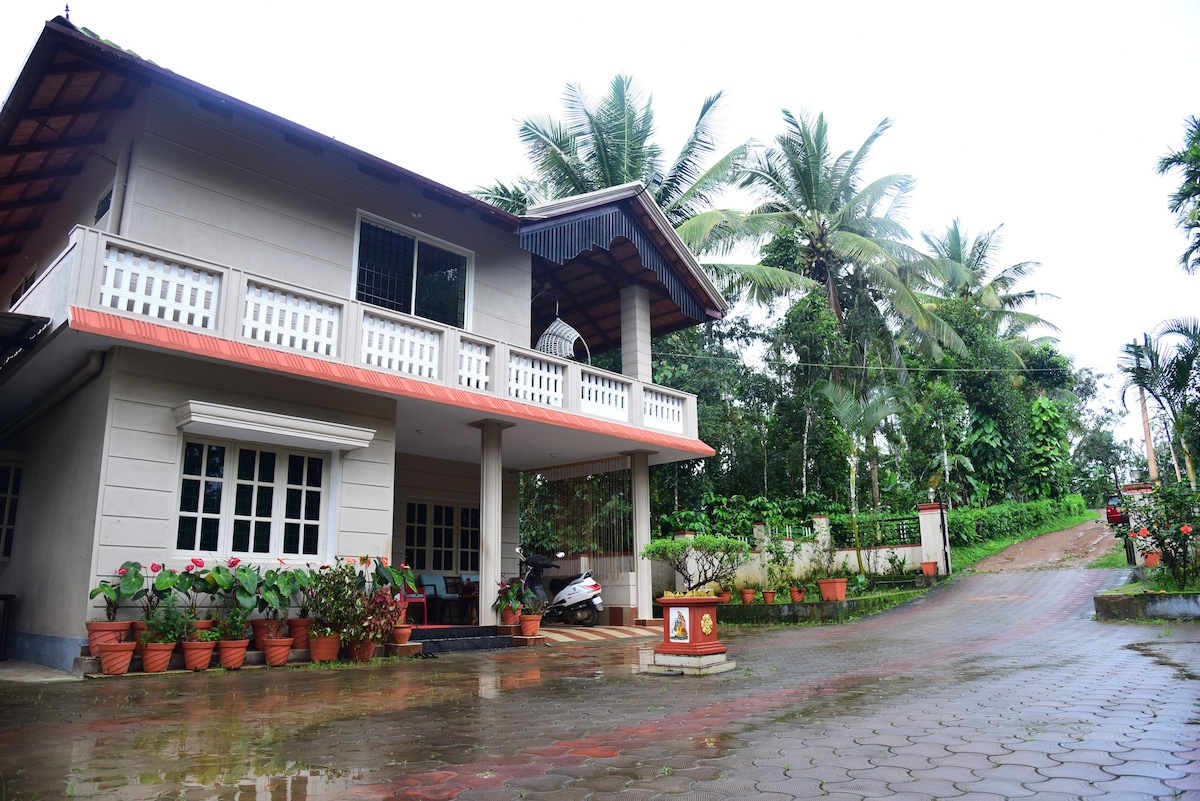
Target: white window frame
[
  {"x": 226, "y": 515},
  {"x": 430, "y": 547},
  {"x": 383, "y": 222}
]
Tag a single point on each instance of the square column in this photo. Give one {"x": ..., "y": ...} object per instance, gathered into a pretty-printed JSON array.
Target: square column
[
  {"x": 491, "y": 497},
  {"x": 635, "y": 333}
]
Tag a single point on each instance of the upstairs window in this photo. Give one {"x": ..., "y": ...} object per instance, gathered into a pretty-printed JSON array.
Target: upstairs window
[{"x": 408, "y": 274}]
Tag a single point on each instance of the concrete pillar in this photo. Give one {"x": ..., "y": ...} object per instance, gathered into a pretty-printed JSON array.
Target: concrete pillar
[
  {"x": 635, "y": 333},
  {"x": 934, "y": 546},
  {"x": 491, "y": 496},
  {"x": 639, "y": 481}
]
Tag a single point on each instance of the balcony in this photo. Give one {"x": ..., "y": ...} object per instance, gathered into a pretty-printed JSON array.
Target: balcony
[{"x": 111, "y": 274}]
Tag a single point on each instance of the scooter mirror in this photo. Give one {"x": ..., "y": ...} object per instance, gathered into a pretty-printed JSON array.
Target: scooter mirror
[
  {"x": 560, "y": 554},
  {"x": 519, "y": 552}
]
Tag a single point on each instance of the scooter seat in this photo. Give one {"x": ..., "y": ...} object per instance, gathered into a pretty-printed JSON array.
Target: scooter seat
[{"x": 557, "y": 583}]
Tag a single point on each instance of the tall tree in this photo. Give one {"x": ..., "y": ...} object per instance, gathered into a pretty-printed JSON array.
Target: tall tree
[
  {"x": 968, "y": 273},
  {"x": 1185, "y": 201},
  {"x": 1169, "y": 374},
  {"x": 609, "y": 142},
  {"x": 841, "y": 231}
]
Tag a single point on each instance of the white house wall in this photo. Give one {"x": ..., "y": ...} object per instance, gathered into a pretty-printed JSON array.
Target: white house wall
[
  {"x": 52, "y": 556},
  {"x": 240, "y": 195}
]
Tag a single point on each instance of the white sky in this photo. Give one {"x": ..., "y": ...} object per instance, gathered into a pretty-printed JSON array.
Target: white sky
[{"x": 1048, "y": 117}]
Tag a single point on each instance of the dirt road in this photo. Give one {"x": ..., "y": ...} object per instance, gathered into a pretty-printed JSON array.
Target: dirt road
[{"x": 1074, "y": 547}]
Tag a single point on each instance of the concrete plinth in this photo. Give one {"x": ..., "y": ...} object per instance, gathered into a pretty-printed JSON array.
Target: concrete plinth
[{"x": 674, "y": 664}]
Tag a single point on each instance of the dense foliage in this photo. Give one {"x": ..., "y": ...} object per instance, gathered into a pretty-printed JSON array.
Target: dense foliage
[{"x": 1010, "y": 519}]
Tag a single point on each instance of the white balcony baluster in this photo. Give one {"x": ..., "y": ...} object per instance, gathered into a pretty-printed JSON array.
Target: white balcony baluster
[
  {"x": 151, "y": 286},
  {"x": 604, "y": 396},
  {"x": 662, "y": 411},
  {"x": 400, "y": 347},
  {"x": 474, "y": 359},
  {"x": 535, "y": 380},
  {"x": 290, "y": 320}
]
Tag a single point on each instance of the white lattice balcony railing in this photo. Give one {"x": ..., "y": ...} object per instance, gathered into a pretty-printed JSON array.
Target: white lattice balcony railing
[
  {"x": 106, "y": 272},
  {"x": 399, "y": 346},
  {"x": 151, "y": 286},
  {"x": 474, "y": 364},
  {"x": 291, "y": 320},
  {"x": 535, "y": 380},
  {"x": 662, "y": 411},
  {"x": 604, "y": 395}
]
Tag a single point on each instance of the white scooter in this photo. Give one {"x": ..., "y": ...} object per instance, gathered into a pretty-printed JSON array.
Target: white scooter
[{"x": 576, "y": 598}]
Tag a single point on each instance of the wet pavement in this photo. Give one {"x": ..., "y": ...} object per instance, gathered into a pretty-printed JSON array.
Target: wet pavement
[{"x": 992, "y": 686}]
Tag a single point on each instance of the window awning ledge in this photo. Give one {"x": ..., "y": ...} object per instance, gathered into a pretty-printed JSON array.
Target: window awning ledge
[{"x": 231, "y": 422}]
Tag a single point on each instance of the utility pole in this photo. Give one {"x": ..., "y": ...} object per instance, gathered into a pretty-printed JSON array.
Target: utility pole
[{"x": 1149, "y": 439}]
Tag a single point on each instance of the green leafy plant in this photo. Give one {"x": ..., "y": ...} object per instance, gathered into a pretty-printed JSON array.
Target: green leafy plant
[
  {"x": 232, "y": 623},
  {"x": 510, "y": 594},
  {"x": 684, "y": 520},
  {"x": 128, "y": 583},
  {"x": 335, "y": 601},
  {"x": 702, "y": 559},
  {"x": 167, "y": 623}
]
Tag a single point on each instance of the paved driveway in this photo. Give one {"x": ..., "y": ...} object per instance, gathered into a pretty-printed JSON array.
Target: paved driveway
[{"x": 990, "y": 687}]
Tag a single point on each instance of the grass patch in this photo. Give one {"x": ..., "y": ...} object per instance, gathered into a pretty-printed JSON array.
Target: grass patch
[
  {"x": 964, "y": 556},
  {"x": 1112, "y": 560}
]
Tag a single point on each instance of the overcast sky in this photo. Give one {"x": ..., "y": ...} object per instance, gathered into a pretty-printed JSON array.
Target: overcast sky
[{"x": 1048, "y": 117}]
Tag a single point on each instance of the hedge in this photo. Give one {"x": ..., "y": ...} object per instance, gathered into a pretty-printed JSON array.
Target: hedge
[{"x": 1010, "y": 519}]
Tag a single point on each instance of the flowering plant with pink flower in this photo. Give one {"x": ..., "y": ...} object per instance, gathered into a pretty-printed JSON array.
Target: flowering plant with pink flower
[{"x": 128, "y": 583}]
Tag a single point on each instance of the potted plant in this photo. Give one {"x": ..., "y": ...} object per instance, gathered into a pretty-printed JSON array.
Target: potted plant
[
  {"x": 335, "y": 602},
  {"x": 274, "y": 600},
  {"x": 126, "y": 584},
  {"x": 198, "y": 646},
  {"x": 196, "y": 589},
  {"x": 299, "y": 625},
  {"x": 159, "y": 587},
  {"x": 510, "y": 595},
  {"x": 381, "y": 614},
  {"x": 165, "y": 627},
  {"x": 232, "y": 642},
  {"x": 532, "y": 609}
]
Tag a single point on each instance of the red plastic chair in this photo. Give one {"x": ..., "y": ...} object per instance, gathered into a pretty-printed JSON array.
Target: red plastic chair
[{"x": 417, "y": 599}]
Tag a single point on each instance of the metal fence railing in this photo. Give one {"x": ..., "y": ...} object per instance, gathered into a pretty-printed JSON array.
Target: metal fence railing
[{"x": 877, "y": 531}]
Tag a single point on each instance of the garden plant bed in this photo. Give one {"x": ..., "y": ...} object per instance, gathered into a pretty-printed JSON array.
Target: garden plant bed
[
  {"x": 809, "y": 612},
  {"x": 1138, "y": 600}
]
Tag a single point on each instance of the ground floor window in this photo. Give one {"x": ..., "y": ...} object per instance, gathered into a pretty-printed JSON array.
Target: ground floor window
[
  {"x": 250, "y": 500},
  {"x": 10, "y": 488},
  {"x": 441, "y": 537}
]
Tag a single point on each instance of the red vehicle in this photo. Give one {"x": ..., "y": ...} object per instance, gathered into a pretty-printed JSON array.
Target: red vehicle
[{"x": 1114, "y": 513}]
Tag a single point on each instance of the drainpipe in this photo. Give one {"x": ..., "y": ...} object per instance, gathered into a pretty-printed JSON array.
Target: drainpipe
[
  {"x": 95, "y": 363},
  {"x": 117, "y": 206}
]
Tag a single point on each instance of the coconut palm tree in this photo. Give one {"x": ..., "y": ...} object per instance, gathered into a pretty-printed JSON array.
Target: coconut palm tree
[
  {"x": 1185, "y": 201},
  {"x": 842, "y": 232},
  {"x": 608, "y": 143},
  {"x": 967, "y": 273},
  {"x": 1170, "y": 374},
  {"x": 859, "y": 415}
]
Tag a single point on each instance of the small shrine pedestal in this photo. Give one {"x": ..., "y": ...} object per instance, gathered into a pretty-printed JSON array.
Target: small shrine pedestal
[{"x": 690, "y": 646}]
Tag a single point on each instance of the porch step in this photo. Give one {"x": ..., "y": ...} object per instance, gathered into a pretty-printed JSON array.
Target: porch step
[{"x": 451, "y": 639}]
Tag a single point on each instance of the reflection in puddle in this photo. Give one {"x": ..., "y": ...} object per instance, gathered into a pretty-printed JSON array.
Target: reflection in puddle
[{"x": 287, "y": 734}]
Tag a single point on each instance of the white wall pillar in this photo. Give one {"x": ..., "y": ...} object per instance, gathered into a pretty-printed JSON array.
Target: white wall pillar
[
  {"x": 635, "y": 333},
  {"x": 491, "y": 498},
  {"x": 933, "y": 544},
  {"x": 639, "y": 481}
]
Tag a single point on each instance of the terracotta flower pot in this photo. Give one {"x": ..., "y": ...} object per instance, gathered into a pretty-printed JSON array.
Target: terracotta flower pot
[
  {"x": 275, "y": 650},
  {"x": 362, "y": 651},
  {"x": 232, "y": 653},
  {"x": 833, "y": 589},
  {"x": 401, "y": 633},
  {"x": 509, "y": 618},
  {"x": 102, "y": 631},
  {"x": 1153, "y": 559},
  {"x": 136, "y": 629},
  {"x": 324, "y": 648},
  {"x": 929, "y": 568},
  {"x": 298, "y": 631},
  {"x": 156, "y": 656},
  {"x": 748, "y": 596},
  {"x": 725, "y": 596},
  {"x": 115, "y": 657},
  {"x": 530, "y": 625},
  {"x": 797, "y": 595},
  {"x": 768, "y": 596},
  {"x": 197, "y": 655}
]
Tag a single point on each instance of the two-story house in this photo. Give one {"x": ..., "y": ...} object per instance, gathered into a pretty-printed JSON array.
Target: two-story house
[{"x": 227, "y": 335}]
